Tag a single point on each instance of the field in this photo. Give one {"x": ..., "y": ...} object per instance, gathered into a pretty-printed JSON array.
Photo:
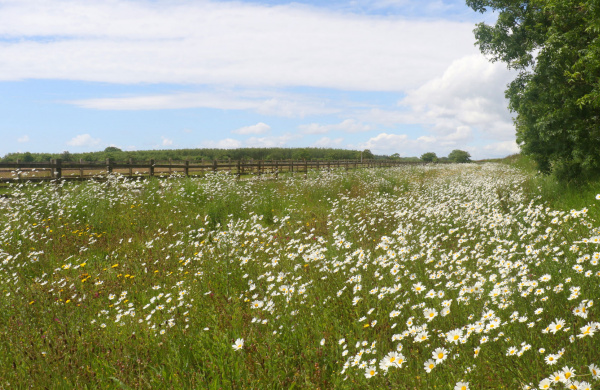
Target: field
[{"x": 416, "y": 277}]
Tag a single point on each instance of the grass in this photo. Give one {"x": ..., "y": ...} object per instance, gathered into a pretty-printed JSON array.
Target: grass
[{"x": 148, "y": 284}]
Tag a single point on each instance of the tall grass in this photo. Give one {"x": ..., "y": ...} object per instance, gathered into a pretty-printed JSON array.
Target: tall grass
[{"x": 337, "y": 280}]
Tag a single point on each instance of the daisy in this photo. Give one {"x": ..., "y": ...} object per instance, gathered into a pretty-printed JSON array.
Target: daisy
[
  {"x": 370, "y": 372},
  {"x": 462, "y": 386},
  {"x": 556, "y": 325},
  {"x": 394, "y": 359},
  {"x": 567, "y": 373},
  {"x": 429, "y": 365},
  {"x": 545, "y": 384},
  {"x": 239, "y": 344},
  {"x": 551, "y": 359},
  {"x": 595, "y": 371},
  {"x": 429, "y": 314},
  {"x": 439, "y": 354},
  {"x": 454, "y": 336}
]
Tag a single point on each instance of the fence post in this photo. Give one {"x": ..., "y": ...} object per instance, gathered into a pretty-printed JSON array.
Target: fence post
[
  {"x": 239, "y": 168},
  {"x": 170, "y": 163},
  {"x": 81, "y": 168},
  {"x": 186, "y": 168},
  {"x": 109, "y": 167},
  {"x": 130, "y": 162},
  {"x": 276, "y": 169},
  {"x": 151, "y": 167},
  {"x": 292, "y": 166},
  {"x": 58, "y": 168},
  {"x": 215, "y": 165}
]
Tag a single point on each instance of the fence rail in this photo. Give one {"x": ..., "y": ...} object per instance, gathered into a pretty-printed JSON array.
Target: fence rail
[{"x": 83, "y": 170}]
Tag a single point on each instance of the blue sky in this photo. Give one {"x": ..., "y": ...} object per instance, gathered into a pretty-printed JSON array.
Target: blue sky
[{"x": 393, "y": 76}]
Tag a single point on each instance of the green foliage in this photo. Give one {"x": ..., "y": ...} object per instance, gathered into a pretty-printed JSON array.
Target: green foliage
[
  {"x": 459, "y": 156},
  {"x": 27, "y": 157},
  {"x": 555, "y": 46},
  {"x": 367, "y": 154},
  {"x": 206, "y": 155},
  {"x": 429, "y": 157}
]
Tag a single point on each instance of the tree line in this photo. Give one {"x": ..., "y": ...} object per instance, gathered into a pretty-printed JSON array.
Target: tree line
[{"x": 243, "y": 154}]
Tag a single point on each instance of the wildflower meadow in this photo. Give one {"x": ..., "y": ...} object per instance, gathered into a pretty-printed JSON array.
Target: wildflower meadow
[{"x": 415, "y": 277}]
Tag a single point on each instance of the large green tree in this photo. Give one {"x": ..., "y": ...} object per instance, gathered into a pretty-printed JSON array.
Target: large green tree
[
  {"x": 459, "y": 156},
  {"x": 555, "y": 46}
]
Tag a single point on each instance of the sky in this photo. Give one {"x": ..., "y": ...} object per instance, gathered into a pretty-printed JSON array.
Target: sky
[{"x": 392, "y": 76}]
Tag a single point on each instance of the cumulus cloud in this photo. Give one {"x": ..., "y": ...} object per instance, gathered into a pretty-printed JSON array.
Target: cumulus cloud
[
  {"x": 23, "y": 139},
  {"x": 271, "y": 142},
  {"x": 468, "y": 94},
  {"x": 385, "y": 143},
  {"x": 500, "y": 149},
  {"x": 166, "y": 141},
  {"x": 327, "y": 142},
  {"x": 348, "y": 126},
  {"x": 223, "y": 43},
  {"x": 227, "y": 143},
  {"x": 84, "y": 140},
  {"x": 259, "y": 128}
]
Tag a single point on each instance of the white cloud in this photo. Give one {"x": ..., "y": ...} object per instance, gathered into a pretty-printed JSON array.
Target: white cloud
[
  {"x": 259, "y": 128},
  {"x": 262, "y": 102},
  {"x": 348, "y": 126},
  {"x": 327, "y": 142},
  {"x": 223, "y": 43},
  {"x": 166, "y": 141},
  {"x": 84, "y": 140},
  {"x": 271, "y": 142},
  {"x": 468, "y": 95},
  {"x": 23, "y": 139},
  {"x": 227, "y": 143},
  {"x": 385, "y": 143},
  {"x": 500, "y": 149}
]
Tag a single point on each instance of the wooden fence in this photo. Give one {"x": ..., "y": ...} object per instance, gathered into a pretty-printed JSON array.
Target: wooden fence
[{"x": 83, "y": 170}]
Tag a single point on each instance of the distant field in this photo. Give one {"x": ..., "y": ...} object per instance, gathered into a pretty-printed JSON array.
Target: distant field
[{"x": 416, "y": 277}]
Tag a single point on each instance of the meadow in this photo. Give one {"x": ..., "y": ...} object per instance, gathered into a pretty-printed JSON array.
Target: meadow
[{"x": 450, "y": 276}]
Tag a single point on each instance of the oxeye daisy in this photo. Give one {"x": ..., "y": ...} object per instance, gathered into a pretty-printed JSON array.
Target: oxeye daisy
[
  {"x": 439, "y": 355},
  {"x": 370, "y": 372},
  {"x": 429, "y": 365},
  {"x": 239, "y": 344},
  {"x": 462, "y": 386}
]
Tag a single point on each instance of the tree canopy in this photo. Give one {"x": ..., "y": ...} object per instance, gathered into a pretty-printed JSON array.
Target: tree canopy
[
  {"x": 555, "y": 46},
  {"x": 459, "y": 156},
  {"x": 429, "y": 157}
]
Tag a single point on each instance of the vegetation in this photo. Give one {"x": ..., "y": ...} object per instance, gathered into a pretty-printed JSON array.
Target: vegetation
[
  {"x": 429, "y": 276},
  {"x": 429, "y": 157},
  {"x": 197, "y": 155},
  {"x": 459, "y": 156},
  {"x": 555, "y": 46}
]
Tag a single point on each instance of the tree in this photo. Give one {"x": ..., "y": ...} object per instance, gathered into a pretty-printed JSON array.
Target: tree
[
  {"x": 66, "y": 156},
  {"x": 28, "y": 157},
  {"x": 395, "y": 156},
  {"x": 429, "y": 157},
  {"x": 459, "y": 156},
  {"x": 367, "y": 154},
  {"x": 555, "y": 46},
  {"x": 110, "y": 149}
]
